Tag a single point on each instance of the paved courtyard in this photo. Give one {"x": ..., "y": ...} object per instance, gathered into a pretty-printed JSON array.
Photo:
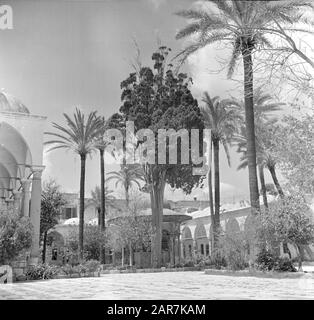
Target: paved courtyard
[{"x": 178, "y": 285}]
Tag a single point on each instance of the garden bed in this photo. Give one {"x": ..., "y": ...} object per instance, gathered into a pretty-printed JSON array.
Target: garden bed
[
  {"x": 152, "y": 270},
  {"x": 62, "y": 276},
  {"x": 257, "y": 273}
]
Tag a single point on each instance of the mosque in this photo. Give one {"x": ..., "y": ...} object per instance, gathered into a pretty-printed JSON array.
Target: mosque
[
  {"x": 186, "y": 232},
  {"x": 21, "y": 162}
]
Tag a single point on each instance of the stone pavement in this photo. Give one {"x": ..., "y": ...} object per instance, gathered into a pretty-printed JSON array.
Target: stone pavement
[{"x": 156, "y": 286}]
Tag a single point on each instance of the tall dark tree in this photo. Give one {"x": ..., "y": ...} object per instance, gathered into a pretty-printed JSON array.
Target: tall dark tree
[
  {"x": 156, "y": 98},
  {"x": 79, "y": 136},
  {"x": 245, "y": 26}
]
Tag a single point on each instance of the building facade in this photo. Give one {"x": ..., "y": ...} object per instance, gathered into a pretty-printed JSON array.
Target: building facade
[{"x": 21, "y": 162}]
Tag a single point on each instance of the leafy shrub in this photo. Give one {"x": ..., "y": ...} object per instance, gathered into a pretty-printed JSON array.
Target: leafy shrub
[
  {"x": 93, "y": 238},
  {"x": 92, "y": 265},
  {"x": 42, "y": 271},
  {"x": 179, "y": 265},
  {"x": 69, "y": 270},
  {"x": 284, "y": 265},
  {"x": 218, "y": 261},
  {"x": 233, "y": 251},
  {"x": 188, "y": 263},
  {"x": 15, "y": 234},
  {"x": 266, "y": 260}
]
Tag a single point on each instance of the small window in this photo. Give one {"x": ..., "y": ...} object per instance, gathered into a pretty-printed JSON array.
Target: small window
[
  {"x": 207, "y": 249},
  {"x": 68, "y": 213},
  {"x": 190, "y": 249},
  {"x": 54, "y": 254},
  {"x": 202, "y": 248}
]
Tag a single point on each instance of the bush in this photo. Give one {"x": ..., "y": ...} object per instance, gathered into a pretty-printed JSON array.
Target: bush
[
  {"x": 93, "y": 237},
  {"x": 284, "y": 265},
  {"x": 233, "y": 251},
  {"x": 69, "y": 270},
  {"x": 188, "y": 263},
  {"x": 267, "y": 261},
  {"x": 179, "y": 265},
  {"x": 92, "y": 265},
  {"x": 42, "y": 271},
  {"x": 218, "y": 261},
  {"x": 15, "y": 234}
]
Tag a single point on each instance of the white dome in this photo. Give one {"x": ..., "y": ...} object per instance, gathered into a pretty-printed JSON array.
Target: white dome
[{"x": 9, "y": 103}]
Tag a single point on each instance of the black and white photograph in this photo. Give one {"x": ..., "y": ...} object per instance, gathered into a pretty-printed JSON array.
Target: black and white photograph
[{"x": 156, "y": 150}]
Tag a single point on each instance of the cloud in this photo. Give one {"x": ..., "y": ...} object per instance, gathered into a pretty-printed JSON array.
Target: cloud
[
  {"x": 208, "y": 74},
  {"x": 157, "y": 3}
]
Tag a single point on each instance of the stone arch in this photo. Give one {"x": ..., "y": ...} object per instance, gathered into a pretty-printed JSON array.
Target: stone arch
[
  {"x": 201, "y": 240},
  {"x": 187, "y": 243},
  {"x": 186, "y": 233},
  {"x": 232, "y": 227},
  {"x": 15, "y": 143}
]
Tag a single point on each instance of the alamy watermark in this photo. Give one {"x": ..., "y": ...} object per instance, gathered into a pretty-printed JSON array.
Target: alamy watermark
[
  {"x": 142, "y": 146},
  {"x": 6, "y": 17}
]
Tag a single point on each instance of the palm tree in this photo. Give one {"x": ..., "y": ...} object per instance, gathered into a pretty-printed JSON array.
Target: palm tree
[
  {"x": 127, "y": 176},
  {"x": 101, "y": 143},
  {"x": 78, "y": 136},
  {"x": 264, "y": 105},
  {"x": 96, "y": 200},
  {"x": 222, "y": 117},
  {"x": 244, "y": 25}
]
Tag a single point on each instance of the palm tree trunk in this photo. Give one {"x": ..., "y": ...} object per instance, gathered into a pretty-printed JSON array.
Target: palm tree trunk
[
  {"x": 272, "y": 171},
  {"x": 82, "y": 205},
  {"x": 263, "y": 186},
  {"x": 44, "y": 246},
  {"x": 250, "y": 127},
  {"x": 210, "y": 193},
  {"x": 127, "y": 198},
  {"x": 210, "y": 184},
  {"x": 102, "y": 202},
  {"x": 217, "y": 193}
]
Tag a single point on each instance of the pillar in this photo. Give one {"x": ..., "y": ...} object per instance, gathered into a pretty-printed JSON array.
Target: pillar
[
  {"x": 17, "y": 201},
  {"x": 26, "y": 197},
  {"x": 171, "y": 247},
  {"x": 35, "y": 213},
  {"x": 179, "y": 249}
]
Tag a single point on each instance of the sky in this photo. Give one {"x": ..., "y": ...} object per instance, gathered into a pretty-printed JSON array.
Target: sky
[{"x": 66, "y": 54}]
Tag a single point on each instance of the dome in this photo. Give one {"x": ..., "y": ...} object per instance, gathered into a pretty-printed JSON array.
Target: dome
[{"x": 9, "y": 103}]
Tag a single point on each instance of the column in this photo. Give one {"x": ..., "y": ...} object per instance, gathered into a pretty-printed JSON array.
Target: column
[
  {"x": 35, "y": 212},
  {"x": 26, "y": 183},
  {"x": 171, "y": 248},
  {"x": 17, "y": 201},
  {"x": 179, "y": 249}
]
